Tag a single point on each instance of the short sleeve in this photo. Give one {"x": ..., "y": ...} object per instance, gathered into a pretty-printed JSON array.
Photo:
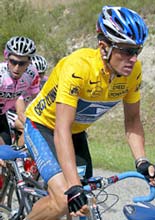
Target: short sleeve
[{"x": 70, "y": 84}]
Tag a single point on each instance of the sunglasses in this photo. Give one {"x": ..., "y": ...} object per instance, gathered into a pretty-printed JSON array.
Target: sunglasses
[
  {"x": 129, "y": 51},
  {"x": 19, "y": 63}
]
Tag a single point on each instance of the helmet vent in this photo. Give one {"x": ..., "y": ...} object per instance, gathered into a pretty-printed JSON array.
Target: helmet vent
[
  {"x": 21, "y": 46},
  {"x": 118, "y": 23},
  {"x": 138, "y": 28},
  {"x": 122, "y": 14},
  {"x": 109, "y": 12},
  {"x": 103, "y": 16},
  {"x": 113, "y": 33},
  {"x": 131, "y": 35}
]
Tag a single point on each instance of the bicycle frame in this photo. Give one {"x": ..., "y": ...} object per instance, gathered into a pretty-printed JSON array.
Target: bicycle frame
[
  {"x": 26, "y": 194},
  {"x": 27, "y": 190}
]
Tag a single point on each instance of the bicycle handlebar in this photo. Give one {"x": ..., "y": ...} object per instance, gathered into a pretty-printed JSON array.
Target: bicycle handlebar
[
  {"x": 7, "y": 153},
  {"x": 101, "y": 182}
]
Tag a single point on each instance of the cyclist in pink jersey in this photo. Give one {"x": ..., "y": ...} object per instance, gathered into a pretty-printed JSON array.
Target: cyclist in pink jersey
[
  {"x": 16, "y": 76},
  {"x": 41, "y": 65}
]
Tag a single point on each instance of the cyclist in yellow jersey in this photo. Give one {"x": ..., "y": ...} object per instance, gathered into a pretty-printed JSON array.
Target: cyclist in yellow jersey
[{"x": 81, "y": 88}]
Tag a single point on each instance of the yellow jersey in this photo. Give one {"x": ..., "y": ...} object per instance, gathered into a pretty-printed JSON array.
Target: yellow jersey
[{"x": 81, "y": 81}]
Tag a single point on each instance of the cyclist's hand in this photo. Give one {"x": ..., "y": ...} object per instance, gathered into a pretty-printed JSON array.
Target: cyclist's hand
[
  {"x": 77, "y": 200},
  {"x": 148, "y": 170}
]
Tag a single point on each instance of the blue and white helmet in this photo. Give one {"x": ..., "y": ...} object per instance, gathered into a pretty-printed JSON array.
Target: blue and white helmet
[{"x": 122, "y": 25}]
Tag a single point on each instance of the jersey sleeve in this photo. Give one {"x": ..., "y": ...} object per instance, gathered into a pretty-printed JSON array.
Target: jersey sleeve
[
  {"x": 34, "y": 87},
  {"x": 70, "y": 83},
  {"x": 135, "y": 80}
]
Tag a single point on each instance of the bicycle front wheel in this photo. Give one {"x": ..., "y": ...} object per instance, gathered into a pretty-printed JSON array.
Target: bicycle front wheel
[{"x": 5, "y": 213}]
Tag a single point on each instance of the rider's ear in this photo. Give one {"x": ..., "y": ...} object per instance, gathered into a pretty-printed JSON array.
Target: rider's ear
[
  {"x": 102, "y": 43},
  {"x": 103, "y": 48}
]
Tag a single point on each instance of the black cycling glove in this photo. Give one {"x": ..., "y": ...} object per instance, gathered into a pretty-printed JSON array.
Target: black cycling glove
[
  {"x": 143, "y": 169},
  {"x": 76, "y": 198}
]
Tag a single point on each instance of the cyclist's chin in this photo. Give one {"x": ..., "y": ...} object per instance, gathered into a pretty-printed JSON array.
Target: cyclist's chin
[
  {"x": 16, "y": 75},
  {"x": 125, "y": 72}
]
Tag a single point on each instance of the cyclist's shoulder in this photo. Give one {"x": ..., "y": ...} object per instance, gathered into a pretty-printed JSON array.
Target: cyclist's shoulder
[
  {"x": 3, "y": 67},
  {"x": 138, "y": 64},
  {"x": 85, "y": 51},
  {"x": 4, "y": 73},
  {"x": 81, "y": 57},
  {"x": 31, "y": 72},
  {"x": 137, "y": 70}
]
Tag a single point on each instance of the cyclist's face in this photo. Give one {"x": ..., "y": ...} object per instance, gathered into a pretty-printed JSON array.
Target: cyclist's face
[
  {"x": 123, "y": 59},
  {"x": 17, "y": 65}
]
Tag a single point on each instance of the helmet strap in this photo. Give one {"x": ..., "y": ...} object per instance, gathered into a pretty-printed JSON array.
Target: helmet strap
[
  {"x": 107, "y": 59},
  {"x": 106, "y": 50},
  {"x": 107, "y": 54}
]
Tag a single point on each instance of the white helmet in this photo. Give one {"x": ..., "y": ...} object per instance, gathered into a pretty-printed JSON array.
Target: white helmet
[
  {"x": 40, "y": 63},
  {"x": 21, "y": 46}
]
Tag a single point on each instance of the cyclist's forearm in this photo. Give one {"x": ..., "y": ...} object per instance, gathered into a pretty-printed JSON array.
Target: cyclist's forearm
[
  {"x": 135, "y": 138},
  {"x": 20, "y": 109},
  {"x": 65, "y": 116},
  {"x": 66, "y": 157}
]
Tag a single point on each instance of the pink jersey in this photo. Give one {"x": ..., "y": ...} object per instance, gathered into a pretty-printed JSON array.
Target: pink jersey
[
  {"x": 27, "y": 95},
  {"x": 11, "y": 89}
]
